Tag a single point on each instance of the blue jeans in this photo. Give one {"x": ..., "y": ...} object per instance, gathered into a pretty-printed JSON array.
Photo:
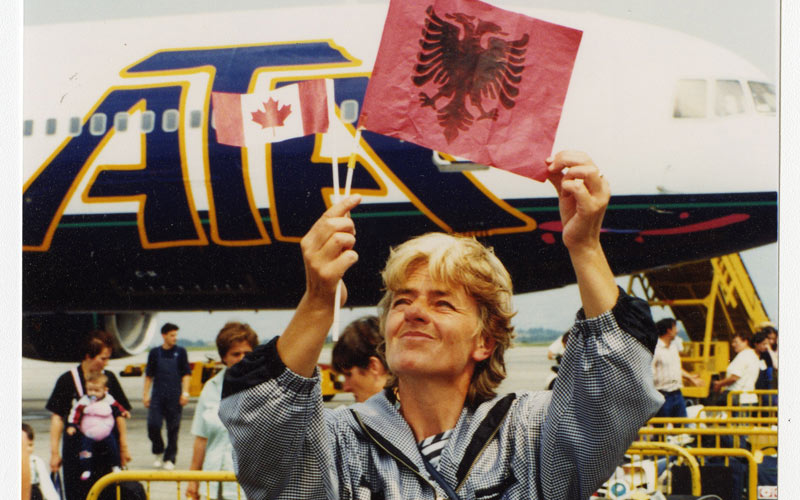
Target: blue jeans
[
  {"x": 674, "y": 405},
  {"x": 162, "y": 410},
  {"x": 89, "y": 446}
]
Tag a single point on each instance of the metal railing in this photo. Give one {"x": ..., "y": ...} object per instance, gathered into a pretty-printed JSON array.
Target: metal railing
[
  {"x": 150, "y": 476},
  {"x": 645, "y": 448},
  {"x": 759, "y": 431}
]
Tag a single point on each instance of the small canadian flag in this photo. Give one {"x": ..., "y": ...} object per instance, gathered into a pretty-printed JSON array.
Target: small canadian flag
[{"x": 252, "y": 119}]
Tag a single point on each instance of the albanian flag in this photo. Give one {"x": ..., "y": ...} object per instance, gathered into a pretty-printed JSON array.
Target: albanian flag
[
  {"x": 471, "y": 80},
  {"x": 255, "y": 119}
]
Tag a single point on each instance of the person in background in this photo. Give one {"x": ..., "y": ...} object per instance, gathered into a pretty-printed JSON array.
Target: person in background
[
  {"x": 668, "y": 372},
  {"x": 761, "y": 345},
  {"x": 212, "y": 449},
  {"x": 772, "y": 335},
  {"x": 168, "y": 373},
  {"x": 440, "y": 425},
  {"x": 69, "y": 387},
  {"x": 356, "y": 357},
  {"x": 742, "y": 372},
  {"x": 41, "y": 485},
  {"x": 95, "y": 414},
  {"x": 25, "y": 467}
]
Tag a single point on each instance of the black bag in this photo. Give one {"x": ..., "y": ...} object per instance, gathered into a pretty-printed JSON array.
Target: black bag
[
  {"x": 714, "y": 479},
  {"x": 129, "y": 490}
]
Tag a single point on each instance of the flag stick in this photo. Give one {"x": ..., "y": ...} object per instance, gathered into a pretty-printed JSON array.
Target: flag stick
[
  {"x": 337, "y": 196},
  {"x": 331, "y": 139},
  {"x": 351, "y": 162},
  {"x": 351, "y": 165}
]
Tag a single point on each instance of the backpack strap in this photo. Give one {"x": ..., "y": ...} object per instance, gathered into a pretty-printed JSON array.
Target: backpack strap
[
  {"x": 77, "y": 379},
  {"x": 483, "y": 435}
]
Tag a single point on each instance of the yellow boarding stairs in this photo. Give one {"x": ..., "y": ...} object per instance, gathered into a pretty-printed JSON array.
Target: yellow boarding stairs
[{"x": 713, "y": 299}]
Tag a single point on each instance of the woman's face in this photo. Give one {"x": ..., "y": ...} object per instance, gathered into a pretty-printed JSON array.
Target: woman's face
[
  {"x": 773, "y": 339},
  {"x": 738, "y": 344},
  {"x": 99, "y": 362},
  {"x": 433, "y": 330},
  {"x": 236, "y": 353}
]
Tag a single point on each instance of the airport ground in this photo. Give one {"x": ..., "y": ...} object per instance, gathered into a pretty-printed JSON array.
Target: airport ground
[{"x": 528, "y": 368}]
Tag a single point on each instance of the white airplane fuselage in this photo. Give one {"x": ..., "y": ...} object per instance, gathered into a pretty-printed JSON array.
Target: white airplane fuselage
[{"x": 130, "y": 204}]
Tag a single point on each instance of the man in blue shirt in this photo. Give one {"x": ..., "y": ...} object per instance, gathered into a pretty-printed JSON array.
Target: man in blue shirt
[{"x": 167, "y": 372}]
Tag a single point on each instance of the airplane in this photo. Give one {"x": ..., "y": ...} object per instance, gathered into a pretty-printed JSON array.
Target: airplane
[{"x": 131, "y": 206}]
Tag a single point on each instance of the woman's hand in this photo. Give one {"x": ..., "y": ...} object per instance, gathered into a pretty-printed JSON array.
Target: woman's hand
[
  {"x": 327, "y": 254},
  {"x": 55, "y": 461},
  {"x": 328, "y": 251},
  {"x": 192, "y": 490},
  {"x": 583, "y": 196}
]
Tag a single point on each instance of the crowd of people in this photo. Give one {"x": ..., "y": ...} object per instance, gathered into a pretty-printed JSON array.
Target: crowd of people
[
  {"x": 88, "y": 433},
  {"x": 428, "y": 421}
]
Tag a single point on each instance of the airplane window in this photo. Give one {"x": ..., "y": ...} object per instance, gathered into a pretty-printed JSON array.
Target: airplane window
[
  {"x": 27, "y": 128},
  {"x": 97, "y": 124},
  {"x": 690, "y": 99},
  {"x": 148, "y": 121},
  {"x": 729, "y": 98},
  {"x": 121, "y": 121},
  {"x": 763, "y": 97},
  {"x": 195, "y": 118},
  {"x": 169, "y": 120},
  {"x": 74, "y": 126},
  {"x": 349, "y": 109},
  {"x": 50, "y": 126}
]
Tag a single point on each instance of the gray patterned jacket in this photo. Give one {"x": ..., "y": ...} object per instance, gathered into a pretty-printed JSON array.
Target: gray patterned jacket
[{"x": 558, "y": 445}]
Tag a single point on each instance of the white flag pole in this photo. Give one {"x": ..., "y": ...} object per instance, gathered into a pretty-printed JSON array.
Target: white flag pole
[
  {"x": 351, "y": 162},
  {"x": 336, "y": 194},
  {"x": 332, "y": 138},
  {"x": 351, "y": 165}
]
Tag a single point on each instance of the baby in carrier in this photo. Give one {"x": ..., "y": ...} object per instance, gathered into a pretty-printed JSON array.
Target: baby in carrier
[{"x": 95, "y": 415}]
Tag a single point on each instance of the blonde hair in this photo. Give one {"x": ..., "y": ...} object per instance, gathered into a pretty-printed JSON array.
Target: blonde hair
[{"x": 458, "y": 261}]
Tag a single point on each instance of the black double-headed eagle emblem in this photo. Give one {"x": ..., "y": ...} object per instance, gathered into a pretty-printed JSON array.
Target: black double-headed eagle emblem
[{"x": 464, "y": 66}]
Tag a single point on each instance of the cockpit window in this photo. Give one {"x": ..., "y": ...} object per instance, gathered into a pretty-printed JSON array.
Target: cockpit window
[
  {"x": 690, "y": 99},
  {"x": 729, "y": 98},
  {"x": 763, "y": 97}
]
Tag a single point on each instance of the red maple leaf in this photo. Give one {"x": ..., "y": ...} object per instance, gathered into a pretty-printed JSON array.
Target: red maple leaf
[{"x": 271, "y": 116}]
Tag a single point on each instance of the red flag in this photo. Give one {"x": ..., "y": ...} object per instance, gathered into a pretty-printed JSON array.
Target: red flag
[
  {"x": 472, "y": 80},
  {"x": 253, "y": 119}
]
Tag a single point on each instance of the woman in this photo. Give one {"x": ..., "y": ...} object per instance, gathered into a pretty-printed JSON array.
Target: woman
[
  {"x": 440, "y": 429},
  {"x": 69, "y": 387},
  {"x": 355, "y": 356},
  {"x": 212, "y": 447},
  {"x": 742, "y": 372}
]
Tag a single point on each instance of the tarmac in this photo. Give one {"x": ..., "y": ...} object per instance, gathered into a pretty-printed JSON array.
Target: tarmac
[{"x": 528, "y": 367}]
